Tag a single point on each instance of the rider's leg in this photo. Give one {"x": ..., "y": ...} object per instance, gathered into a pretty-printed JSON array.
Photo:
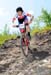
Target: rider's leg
[
  {"x": 27, "y": 27},
  {"x": 28, "y": 31}
]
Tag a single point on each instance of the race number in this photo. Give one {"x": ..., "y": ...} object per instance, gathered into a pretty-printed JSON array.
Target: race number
[{"x": 22, "y": 26}]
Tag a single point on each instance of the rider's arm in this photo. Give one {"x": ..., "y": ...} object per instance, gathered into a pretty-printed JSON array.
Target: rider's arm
[
  {"x": 14, "y": 18},
  {"x": 31, "y": 17}
]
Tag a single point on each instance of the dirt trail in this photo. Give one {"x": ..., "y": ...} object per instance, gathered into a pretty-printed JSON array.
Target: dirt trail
[{"x": 12, "y": 61}]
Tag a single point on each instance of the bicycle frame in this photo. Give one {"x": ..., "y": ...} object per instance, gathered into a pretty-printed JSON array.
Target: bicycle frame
[{"x": 24, "y": 36}]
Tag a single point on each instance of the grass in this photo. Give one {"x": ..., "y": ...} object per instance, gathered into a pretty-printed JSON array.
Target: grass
[
  {"x": 3, "y": 38},
  {"x": 40, "y": 30}
]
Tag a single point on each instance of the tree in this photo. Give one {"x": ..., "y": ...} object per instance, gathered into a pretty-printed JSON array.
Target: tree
[{"x": 45, "y": 17}]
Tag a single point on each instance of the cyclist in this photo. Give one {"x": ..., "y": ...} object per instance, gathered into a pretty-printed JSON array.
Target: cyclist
[{"x": 22, "y": 18}]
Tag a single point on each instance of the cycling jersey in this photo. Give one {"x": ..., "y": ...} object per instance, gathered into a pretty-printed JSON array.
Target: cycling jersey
[{"x": 22, "y": 18}]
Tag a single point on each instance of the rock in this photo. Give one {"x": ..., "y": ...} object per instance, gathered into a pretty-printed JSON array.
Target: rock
[
  {"x": 38, "y": 62},
  {"x": 20, "y": 73}
]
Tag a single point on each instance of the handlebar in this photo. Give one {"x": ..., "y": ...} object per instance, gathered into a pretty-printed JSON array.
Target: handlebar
[
  {"x": 15, "y": 25},
  {"x": 18, "y": 25}
]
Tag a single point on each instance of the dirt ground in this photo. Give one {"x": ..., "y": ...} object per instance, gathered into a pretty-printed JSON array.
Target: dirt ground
[{"x": 12, "y": 61}]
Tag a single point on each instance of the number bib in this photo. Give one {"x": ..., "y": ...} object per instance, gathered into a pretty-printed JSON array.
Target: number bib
[{"x": 22, "y": 26}]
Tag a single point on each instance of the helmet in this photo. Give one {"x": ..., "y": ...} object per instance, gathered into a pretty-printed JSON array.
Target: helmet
[{"x": 19, "y": 9}]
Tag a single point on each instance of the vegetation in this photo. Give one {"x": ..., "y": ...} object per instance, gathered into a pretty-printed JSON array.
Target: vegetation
[
  {"x": 40, "y": 30},
  {"x": 44, "y": 18},
  {"x": 3, "y": 38},
  {"x": 5, "y": 35}
]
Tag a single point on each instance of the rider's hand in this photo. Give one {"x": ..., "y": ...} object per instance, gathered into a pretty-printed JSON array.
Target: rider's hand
[
  {"x": 30, "y": 22},
  {"x": 31, "y": 19}
]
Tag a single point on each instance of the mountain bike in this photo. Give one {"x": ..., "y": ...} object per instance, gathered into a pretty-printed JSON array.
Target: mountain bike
[{"x": 25, "y": 42}]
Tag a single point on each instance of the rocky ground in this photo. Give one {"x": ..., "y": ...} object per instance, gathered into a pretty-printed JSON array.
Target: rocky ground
[{"x": 12, "y": 61}]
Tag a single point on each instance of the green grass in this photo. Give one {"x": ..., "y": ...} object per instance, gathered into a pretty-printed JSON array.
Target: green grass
[
  {"x": 40, "y": 30},
  {"x": 3, "y": 38}
]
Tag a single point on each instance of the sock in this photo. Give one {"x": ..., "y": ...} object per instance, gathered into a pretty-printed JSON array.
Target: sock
[{"x": 29, "y": 35}]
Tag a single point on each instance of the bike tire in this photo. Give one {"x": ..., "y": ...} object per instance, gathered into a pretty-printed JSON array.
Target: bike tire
[
  {"x": 23, "y": 50},
  {"x": 23, "y": 47}
]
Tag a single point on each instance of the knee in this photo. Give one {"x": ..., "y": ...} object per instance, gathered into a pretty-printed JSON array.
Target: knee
[{"x": 27, "y": 28}]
